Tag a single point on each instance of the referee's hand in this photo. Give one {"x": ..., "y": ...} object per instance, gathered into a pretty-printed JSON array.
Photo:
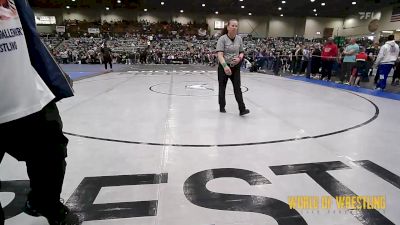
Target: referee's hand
[
  {"x": 236, "y": 60},
  {"x": 228, "y": 71}
]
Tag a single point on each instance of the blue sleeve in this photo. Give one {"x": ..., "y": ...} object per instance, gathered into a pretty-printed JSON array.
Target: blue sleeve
[{"x": 40, "y": 57}]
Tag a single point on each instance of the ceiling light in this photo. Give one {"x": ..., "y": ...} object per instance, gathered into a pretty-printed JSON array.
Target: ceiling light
[
  {"x": 203, "y": 5},
  {"x": 242, "y": 6},
  {"x": 283, "y": 2},
  {"x": 250, "y": 14},
  {"x": 316, "y": 14},
  {"x": 354, "y": 3},
  {"x": 323, "y": 3},
  {"x": 314, "y": 10},
  {"x": 119, "y": 1},
  {"x": 162, "y": 3},
  {"x": 312, "y": 0},
  {"x": 216, "y": 12},
  {"x": 280, "y": 8},
  {"x": 145, "y": 10},
  {"x": 281, "y": 14},
  {"x": 73, "y": 0},
  {"x": 240, "y": 0},
  {"x": 67, "y": 7},
  {"x": 181, "y": 11},
  {"x": 107, "y": 8}
]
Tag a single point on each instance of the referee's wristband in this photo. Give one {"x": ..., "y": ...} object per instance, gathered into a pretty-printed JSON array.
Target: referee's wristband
[{"x": 224, "y": 64}]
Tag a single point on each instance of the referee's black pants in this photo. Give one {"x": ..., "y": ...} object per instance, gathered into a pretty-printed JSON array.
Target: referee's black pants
[
  {"x": 107, "y": 60},
  {"x": 223, "y": 80}
]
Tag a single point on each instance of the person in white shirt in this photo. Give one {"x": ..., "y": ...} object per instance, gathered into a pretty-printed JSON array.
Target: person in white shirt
[
  {"x": 385, "y": 61},
  {"x": 30, "y": 123}
]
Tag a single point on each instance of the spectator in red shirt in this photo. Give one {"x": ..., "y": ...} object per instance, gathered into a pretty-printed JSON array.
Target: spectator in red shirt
[
  {"x": 329, "y": 56},
  {"x": 360, "y": 68}
]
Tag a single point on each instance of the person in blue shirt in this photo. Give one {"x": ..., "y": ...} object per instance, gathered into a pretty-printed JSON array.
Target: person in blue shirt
[{"x": 349, "y": 60}]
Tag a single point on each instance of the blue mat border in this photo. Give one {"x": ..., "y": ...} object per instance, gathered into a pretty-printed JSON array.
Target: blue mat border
[
  {"x": 77, "y": 75},
  {"x": 376, "y": 93}
]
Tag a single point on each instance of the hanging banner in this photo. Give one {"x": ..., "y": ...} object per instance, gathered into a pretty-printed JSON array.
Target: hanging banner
[
  {"x": 219, "y": 25},
  {"x": 60, "y": 29},
  {"x": 45, "y": 20},
  {"x": 93, "y": 30}
]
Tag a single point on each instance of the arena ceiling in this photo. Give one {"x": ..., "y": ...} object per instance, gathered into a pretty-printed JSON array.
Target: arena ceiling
[{"x": 297, "y": 8}]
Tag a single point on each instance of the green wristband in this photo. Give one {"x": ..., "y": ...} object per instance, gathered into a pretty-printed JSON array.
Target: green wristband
[{"x": 224, "y": 64}]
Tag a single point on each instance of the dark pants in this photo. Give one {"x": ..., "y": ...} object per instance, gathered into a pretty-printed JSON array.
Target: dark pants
[
  {"x": 223, "y": 80},
  {"x": 43, "y": 146},
  {"x": 1, "y": 216},
  {"x": 304, "y": 65},
  {"x": 345, "y": 73},
  {"x": 396, "y": 74},
  {"x": 315, "y": 65},
  {"x": 297, "y": 66},
  {"x": 376, "y": 77},
  {"x": 361, "y": 70},
  {"x": 326, "y": 69},
  {"x": 107, "y": 61}
]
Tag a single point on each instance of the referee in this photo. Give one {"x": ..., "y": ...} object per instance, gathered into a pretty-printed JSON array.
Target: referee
[{"x": 230, "y": 55}]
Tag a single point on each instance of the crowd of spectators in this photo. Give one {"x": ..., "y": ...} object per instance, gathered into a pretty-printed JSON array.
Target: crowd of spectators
[{"x": 134, "y": 42}]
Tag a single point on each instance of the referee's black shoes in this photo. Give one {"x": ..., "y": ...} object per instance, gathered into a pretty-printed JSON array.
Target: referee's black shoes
[{"x": 244, "y": 112}]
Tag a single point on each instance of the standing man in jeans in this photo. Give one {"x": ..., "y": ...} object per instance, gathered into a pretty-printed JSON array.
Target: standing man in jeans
[
  {"x": 385, "y": 61},
  {"x": 349, "y": 60},
  {"x": 31, "y": 83}
]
